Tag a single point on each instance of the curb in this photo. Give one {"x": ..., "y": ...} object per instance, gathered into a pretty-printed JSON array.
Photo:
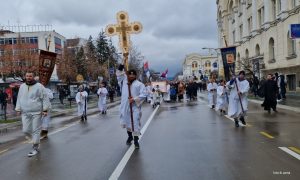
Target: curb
[
  {"x": 93, "y": 110},
  {"x": 280, "y": 106}
]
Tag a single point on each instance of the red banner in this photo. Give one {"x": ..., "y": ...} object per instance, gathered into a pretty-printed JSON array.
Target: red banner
[{"x": 47, "y": 63}]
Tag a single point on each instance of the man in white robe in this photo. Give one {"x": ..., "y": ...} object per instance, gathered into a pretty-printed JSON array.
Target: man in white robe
[
  {"x": 239, "y": 88},
  {"x": 212, "y": 93},
  {"x": 102, "y": 93},
  {"x": 32, "y": 104},
  {"x": 139, "y": 94},
  {"x": 167, "y": 93},
  {"x": 81, "y": 100},
  {"x": 221, "y": 97}
]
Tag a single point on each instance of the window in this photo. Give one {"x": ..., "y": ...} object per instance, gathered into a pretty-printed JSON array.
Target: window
[
  {"x": 271, "y": 49},
  {"x": 57, "y": 41},
  {"x": 241, "y": 31},
  {"x": 2, "y": 41},
  {"x": 250, "y": 24},
  {"x": 247, "y": 53},
  {"x": 278, "y": 6},
  {"x": 261, "y": 16},
  {"x": 239, "y": 61},
  {"x": 33, "y": 40},
  {"x": 273, "y": 9},
  {"x": 257, "y": 50},
  {"x": 194, "y": 65},
  {"x": 291, "y": 45},
  {"x": 293, "y": 3},
  {"x": 233, "y": 36},
  {"x": 1, "y": 52}
]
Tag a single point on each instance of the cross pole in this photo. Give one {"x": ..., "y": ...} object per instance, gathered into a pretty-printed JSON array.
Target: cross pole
[{"x": 123, "y": 29}]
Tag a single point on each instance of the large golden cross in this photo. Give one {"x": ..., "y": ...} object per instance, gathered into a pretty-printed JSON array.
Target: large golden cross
[{"x": 124, "y": 29}]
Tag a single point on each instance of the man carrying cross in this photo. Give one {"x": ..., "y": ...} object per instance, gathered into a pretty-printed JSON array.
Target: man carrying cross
[{"x": 138, "y": 95}]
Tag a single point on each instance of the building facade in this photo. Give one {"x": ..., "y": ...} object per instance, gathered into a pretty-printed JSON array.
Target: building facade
[
  {"x": 260, "y": 29},
  {"x": 19, "y": 51},
  {"x": 196, "y": 65}
]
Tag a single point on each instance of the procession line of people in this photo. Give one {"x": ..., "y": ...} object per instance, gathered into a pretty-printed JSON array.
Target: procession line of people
[{"x": 232, "y": 96}]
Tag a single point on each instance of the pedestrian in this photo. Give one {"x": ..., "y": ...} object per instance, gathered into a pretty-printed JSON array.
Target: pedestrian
[
  {"x": 282, "y": 86},
  {"x": 221, "y": 97},
  {"x": 46, "y": 119},
  {"x": 111, "y": 93},
  {"x": 32, "y": 104},
  {"x": 270, "y": 93},
  {"x": 181, "y": 90},
  {"x": 212, "y": 93},
  {"x": 277, "y": 79},
  {"x": 81, "y": 100},
  {"x": 15, "y": 92},
  {"x": 238, "y": 101},
  {"x": 138, "y": 95},
  {"x": 167, "y": 93},
  {"x": 3, "y": 99},
  {"x": 149, "y": 92},
  {"x": 62, "y": 93},
  {"x": 102, "y": 93}
]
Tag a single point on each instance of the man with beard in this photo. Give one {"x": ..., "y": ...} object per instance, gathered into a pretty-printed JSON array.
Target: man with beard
[
  {"x": 270, "y": 92},
  {"x": 138, "y": 95},
  {"x": 32, "y": 104},
  {"x": 238, "y": 101}
]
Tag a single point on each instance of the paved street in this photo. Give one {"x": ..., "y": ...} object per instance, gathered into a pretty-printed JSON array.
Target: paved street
[{"x": 183, "y": 141}]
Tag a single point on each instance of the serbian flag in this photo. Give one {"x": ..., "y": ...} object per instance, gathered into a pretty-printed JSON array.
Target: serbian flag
[{"x": 164, "y": 74}]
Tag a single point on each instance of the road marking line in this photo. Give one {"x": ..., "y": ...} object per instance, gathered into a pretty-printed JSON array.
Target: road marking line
[
  {"x": 290, "y": 152},
  {"x": 1, "y": 152},
  {"x": 295, "y": 149},
  {"x": 63, "y": 128},
  {"x": 267, "y": 135},
  {"x": 118, "y": 170}
]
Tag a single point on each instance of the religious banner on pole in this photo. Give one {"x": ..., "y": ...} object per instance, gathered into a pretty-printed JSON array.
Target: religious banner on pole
[
  {"x": 46, "y": 66},
  {"x": 228, "y": 57}
]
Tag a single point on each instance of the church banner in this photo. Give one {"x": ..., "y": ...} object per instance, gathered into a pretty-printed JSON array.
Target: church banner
[
  {"x": 47, "y": 63},
  {"x": 228, "y": 57}
]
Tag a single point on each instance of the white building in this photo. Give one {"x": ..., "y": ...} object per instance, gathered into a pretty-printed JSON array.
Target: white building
[
  {"x": 260, "y": 30},
  {"x": 195, "y": 65}
]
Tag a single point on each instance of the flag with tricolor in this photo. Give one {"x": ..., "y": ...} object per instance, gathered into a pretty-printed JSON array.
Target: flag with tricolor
[{"x": 164, "y": 74}]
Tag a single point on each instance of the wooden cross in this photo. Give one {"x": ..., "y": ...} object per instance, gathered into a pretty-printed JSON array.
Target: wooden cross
[{"x": 124, "y": 29}]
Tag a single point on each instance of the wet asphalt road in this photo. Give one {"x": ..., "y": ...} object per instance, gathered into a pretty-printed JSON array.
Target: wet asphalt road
[{"x": 183, "y": 141}]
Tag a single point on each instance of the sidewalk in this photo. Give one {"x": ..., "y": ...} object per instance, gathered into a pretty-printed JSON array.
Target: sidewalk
[
  {"x": 58, "y": 113},
  {"x": 292, "y": 102}
]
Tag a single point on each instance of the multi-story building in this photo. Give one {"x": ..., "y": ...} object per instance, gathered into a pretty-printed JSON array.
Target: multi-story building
[
  {"x": 261, "y": 31},
  {"x": 19, "y": 51},
  {"x": 195, "y": 65}
]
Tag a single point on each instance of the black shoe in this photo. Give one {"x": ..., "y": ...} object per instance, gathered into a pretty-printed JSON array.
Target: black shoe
[
  {"x": 242, "y": 119},
  {"x": 85, "y": 117},
  {"x": 213, "y": 106},
  {"x": 44, "y": 134},
  {"x": 236, "y": 123},
  {"x": 102, "y": 112},
  {"x": 130, "y": 138},
  {"x": 82, "y": 119},
  {"x": 136, "y": 142}
]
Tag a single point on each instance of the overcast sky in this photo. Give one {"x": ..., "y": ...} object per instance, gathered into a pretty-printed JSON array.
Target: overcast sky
[{"x": 171, "y": 28}]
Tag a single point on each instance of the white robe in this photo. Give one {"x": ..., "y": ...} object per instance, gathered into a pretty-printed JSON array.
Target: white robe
[
  {"x": 139, "y": 94},
  {"x": 46, "y": 119},
  {"x": 102, "y": 92},
  {"x": 212, "y": 95},
  {"x": 221, "y": 98},
  {"x": 81, "y": 100},
  {"x": 234, "y": 108},
  {"x": 167, "y": 94}
]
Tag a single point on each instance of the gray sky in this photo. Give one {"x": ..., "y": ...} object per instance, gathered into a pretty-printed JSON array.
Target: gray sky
[{"x": 171, "y": 28}]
